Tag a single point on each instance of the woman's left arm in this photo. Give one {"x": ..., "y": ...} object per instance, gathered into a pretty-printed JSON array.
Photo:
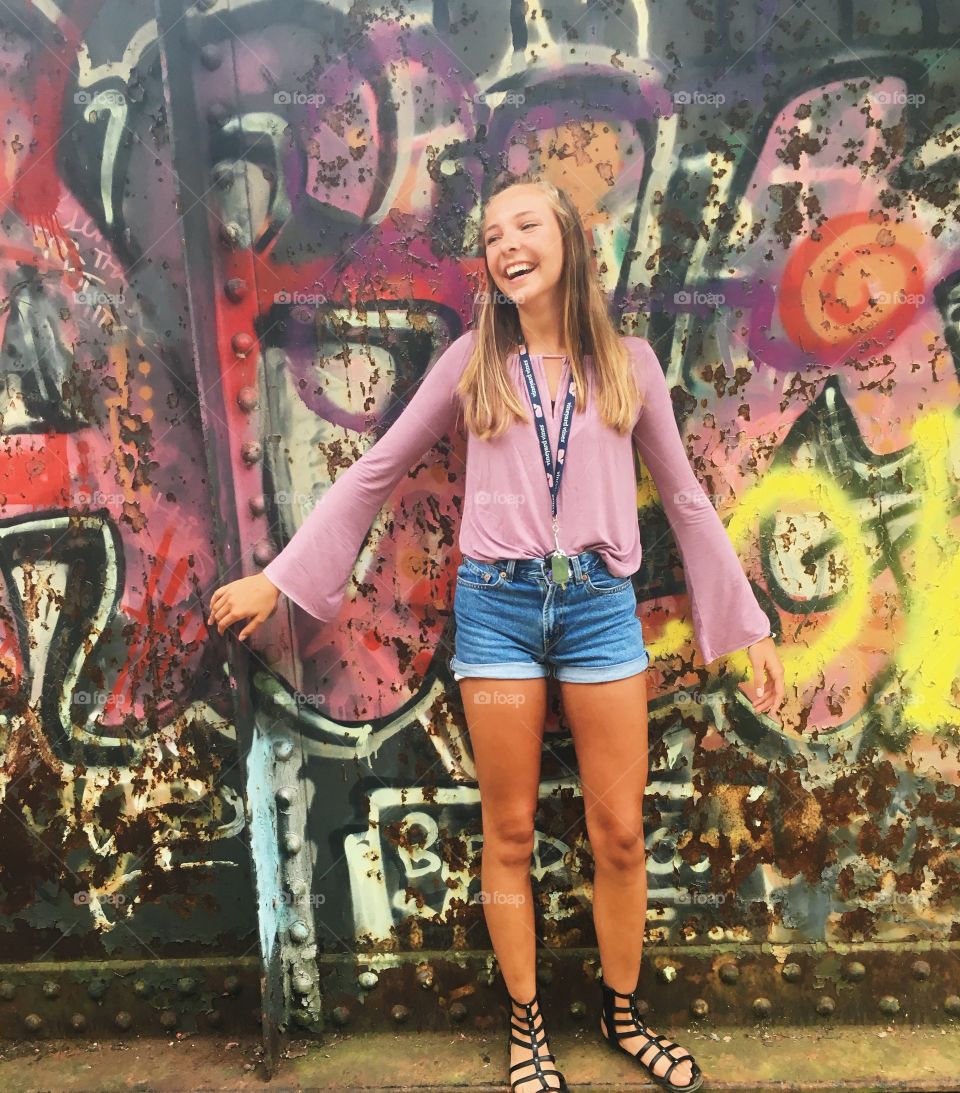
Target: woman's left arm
[{"x": 726, "y": 615}]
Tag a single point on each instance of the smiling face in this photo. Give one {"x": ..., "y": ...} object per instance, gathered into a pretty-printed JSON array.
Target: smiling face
[{"x": 521, "y": 236}]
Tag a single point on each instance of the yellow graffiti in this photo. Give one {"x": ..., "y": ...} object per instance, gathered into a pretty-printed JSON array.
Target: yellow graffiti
[
  {"x": 928, "y": 657},
  {"x": 930, "y": 653}
]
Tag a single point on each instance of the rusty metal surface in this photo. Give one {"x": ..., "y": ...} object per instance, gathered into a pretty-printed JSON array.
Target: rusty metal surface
[{"x": 231, "y": 262}]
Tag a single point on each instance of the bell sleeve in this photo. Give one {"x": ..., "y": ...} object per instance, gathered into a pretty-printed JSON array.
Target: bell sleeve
[
  {"x": 313, "y": 569},
  {"x": 726, "y": 615}
]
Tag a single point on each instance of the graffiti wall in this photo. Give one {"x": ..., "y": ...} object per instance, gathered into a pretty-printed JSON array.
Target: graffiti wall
[{"x": 237, "y": 234}]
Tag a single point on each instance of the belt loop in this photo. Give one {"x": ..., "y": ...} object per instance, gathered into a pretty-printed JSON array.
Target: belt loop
[
  {"x": 575, "y": 559},
  {"x": 511, "y": 565}
]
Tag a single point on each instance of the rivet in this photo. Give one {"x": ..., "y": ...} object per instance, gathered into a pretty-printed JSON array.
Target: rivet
[
  {"x": 889, "y": 1004},
  {"x": 425, "y": 976},
  {"x": 486, "y": 576},
  {"x": 141, "y": 988},
  {"x": 215, "y": 1018},
  {"x": 578, "y": 1011},
  {"x": 51, "y": 988},
  {"x": 123, "y": 1020},
  {"x": 301, "y": 982},
  {"x": 217, "y": 113},
  {"x": 231, "y": 234},
  {"x": 458, "y": 1012},
  {"x": 7, "y": 990},
  {"x": 699, "y": 1007},
  {"x": 33, "y": 1022},
  {"x": 399, "y": 1014},
  {"x": 299, "y": 932},
  {"x": 78, "y": 1022},
  {"x": 762, "y": 1007},
  {"x": 264, "y": 552},
  {"x": 340, "y": 1015},
  {"x": 368, "y": 980},
  {"x": 235, "y": 289},
  {"x": 97, "y": 988},
  {"x": 952, "y": 1005},
  {"x": 283, "y": 748},
  {"x": 285, "y": 796},
  {"x": 292, "y": 844},
  {"x": 920, "y": 969},
  {"x": 854, "y": 971},
  {"x": 258, "y": 505},
  {"x": 169, "y": 1019},
  {"x": 211, "y": 56},
  {"x": 187, "y": 985},
  {"x": 250, "y": 452},
  {"x": 248, "y": 399},
  {"x": 825, "y": 1005},
  {"x": 232, "y": 985},
  {"x": 667, "y": 974},
  {"x": 791, "y": 972},
  {"x": 729, "y": 973},
  {"x": 242, "y": 342}
]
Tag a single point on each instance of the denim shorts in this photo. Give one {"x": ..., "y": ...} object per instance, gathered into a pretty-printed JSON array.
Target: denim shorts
[{"x": 514, "y": 622}]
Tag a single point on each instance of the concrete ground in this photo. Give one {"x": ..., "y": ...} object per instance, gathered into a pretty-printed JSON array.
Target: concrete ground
[{"x": 900, "y": 1058}]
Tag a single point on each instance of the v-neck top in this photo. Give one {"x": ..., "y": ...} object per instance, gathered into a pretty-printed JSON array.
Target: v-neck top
[{"x": 506, "y": 501}]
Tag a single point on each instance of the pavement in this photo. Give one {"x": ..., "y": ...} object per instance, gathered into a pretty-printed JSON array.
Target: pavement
[{"x": 842, "y": 1058}]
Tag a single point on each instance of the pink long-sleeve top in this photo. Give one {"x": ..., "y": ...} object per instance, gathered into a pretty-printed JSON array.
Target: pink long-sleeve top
[{"x": 506, "y": 512}]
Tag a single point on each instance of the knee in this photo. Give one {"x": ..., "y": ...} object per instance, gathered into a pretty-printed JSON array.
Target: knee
[
  {"x": 509, "y": 840},
  {"x": 618, "y": 846}
]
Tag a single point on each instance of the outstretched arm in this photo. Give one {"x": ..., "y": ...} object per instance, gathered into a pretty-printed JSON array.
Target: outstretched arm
[
  {"x": 313, "y": 569},
  {"x": 726, "y": 615}
]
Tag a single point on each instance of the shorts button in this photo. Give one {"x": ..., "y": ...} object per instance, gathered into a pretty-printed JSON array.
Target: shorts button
[
  {"x": 583, "y": 576},
  {"x": 486, "y": 576}
]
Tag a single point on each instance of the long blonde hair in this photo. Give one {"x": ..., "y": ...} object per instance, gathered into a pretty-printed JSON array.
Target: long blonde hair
[{"x": 489, "y": 398}]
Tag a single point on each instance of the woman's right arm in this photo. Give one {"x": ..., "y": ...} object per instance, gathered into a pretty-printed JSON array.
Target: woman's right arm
[{"x": 315, "y": 566}]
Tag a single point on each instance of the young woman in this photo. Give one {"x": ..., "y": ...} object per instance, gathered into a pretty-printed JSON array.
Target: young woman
[{"x": 553, "y": 402}]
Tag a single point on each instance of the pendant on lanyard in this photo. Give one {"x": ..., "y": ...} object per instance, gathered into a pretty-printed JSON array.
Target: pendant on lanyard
[{"x": 559, "y": 561}]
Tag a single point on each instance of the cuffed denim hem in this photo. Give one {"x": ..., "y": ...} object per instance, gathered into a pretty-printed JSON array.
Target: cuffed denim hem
[
  {"x": 605, "y": 674},
  {"x": 510, "y": 670}
]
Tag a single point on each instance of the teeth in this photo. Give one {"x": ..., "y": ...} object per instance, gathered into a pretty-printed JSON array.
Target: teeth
[{"x": 512, "y": 271}]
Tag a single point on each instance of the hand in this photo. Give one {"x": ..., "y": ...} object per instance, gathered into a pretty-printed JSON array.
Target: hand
[
  {"x": 251, "y": 597},
  {"x": 765, "y": 687}
]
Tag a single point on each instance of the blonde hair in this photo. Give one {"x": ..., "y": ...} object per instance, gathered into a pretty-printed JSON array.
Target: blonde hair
[{"x": 488, "y": 397}]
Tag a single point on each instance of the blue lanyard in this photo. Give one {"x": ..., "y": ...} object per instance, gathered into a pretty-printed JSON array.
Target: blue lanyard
[{"x": 566, "y": 419}]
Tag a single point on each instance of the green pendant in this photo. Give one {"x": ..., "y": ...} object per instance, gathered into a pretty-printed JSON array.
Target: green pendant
[{"x": 560, "y": 569}]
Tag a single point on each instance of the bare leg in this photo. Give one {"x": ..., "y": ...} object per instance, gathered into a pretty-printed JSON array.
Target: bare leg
[
  {"x": 608, "y": 722},
  {"x": 505, "y": 718}
]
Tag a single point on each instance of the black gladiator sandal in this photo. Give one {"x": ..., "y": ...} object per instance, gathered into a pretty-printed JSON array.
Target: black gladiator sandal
[
  {"x": 538, "y": 1037},
  {"x": 665, "y": 1047}
]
